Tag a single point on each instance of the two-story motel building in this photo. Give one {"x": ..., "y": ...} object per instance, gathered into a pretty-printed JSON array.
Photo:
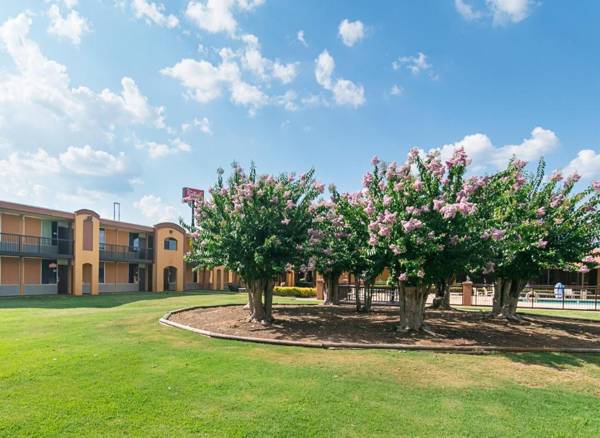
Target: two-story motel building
[{"x": 44, "y": 251}]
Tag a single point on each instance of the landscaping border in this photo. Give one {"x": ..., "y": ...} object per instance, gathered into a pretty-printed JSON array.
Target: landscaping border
[{"x": 475, "y": 349}]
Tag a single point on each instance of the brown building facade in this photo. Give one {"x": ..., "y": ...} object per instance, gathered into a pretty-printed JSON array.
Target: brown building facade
[{"x": 44, "y": 252}]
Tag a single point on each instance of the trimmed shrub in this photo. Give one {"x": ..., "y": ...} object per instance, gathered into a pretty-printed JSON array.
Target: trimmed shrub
[{"x": 304, "y": 292}]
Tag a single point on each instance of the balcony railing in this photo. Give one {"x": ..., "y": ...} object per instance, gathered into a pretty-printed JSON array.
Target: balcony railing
[
  {"x": 125, "y": 253},
  {"x": 20, "y": 245}
]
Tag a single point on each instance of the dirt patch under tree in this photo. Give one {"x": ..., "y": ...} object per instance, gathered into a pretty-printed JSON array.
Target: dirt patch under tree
[{"x": 341, "y": 324}]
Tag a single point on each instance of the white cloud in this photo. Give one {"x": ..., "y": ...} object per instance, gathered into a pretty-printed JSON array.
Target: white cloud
[
  {"x": 40, "y": 90},
  {"x": 70, "y": 3},
  {"x": 502, "y": 12},
  {"x": 396, "y": 90},
  {"x": 157, "y": 150},
  {"x": 154, "y": 209},
  {"x": 218, "y": 15},
  {"x": 204, "y": 125},
  {"x": 300, "y": 37},
  {"x": 483, "y": 153},
  {"x": 154, "y": 13},
  {"x": 586, "y": 164},
  {"x": 71, "y": 26},
  {"x": 87, "y": 161},
  {"x": 509, "y": 11},
  {"x": 351, "y": 32},
  {"x": 264, "y": 68},
  {"x": 345, "y": 92},
  {"x": 467, "y": 11},
  {"x": 415, "y": 64}
]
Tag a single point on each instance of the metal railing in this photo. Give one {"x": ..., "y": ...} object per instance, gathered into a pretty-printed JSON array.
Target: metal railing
[
  {"x": 572, "y": 297},
  {"x": 380, "y": 295},
  {"x": 125, "y": 253},
  {"x": 21, "y": 245}
]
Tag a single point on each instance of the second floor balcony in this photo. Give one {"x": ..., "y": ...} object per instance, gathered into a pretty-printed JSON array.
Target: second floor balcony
[
  {"x": 124, "y": 253},
  {"x": 34, "y": 246}
]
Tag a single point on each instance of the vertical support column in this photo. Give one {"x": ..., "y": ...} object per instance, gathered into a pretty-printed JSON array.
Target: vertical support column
[
  {"x": 21, "y": 276},
  {"x": 320, "y": 287},
  {"x": 467, "y": 293},
  {"x": 86, "y": 250}
]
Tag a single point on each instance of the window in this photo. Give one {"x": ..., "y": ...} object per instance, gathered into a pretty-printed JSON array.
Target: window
[
  {"x": 102, "y": 238},
  {"x": 49, "y": 269},
  {"x": 101, "y": 273},
  {"x": 134, "y": 240},
  {"x": 170, "y": 244},
  {"x": 133, "y": 273}
]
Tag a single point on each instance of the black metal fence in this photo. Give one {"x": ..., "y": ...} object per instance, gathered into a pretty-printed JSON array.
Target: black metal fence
[
  {"x": 20, "y": 245},
  {"x": 572, "y": 297}
]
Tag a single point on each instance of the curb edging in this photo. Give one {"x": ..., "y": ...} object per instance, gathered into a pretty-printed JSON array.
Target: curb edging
[{"x": 165, "y": 320}]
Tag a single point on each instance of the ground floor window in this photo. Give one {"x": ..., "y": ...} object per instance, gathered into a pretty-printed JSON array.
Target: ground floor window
[
  {"x": 49, "y": 269},
  {"x": 101, "y": 273},
  {"x": 133, "y": 273}
]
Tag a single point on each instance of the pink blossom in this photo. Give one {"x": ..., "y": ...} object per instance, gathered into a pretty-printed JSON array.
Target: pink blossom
[
  {"x": 542, "y": 243},
  {"x": 289, "y": 204},
  {"x": 195, "y": 235},
  {"x": 412, "y": 224},
  {"x": 584, "y": 269},
  {"x": 418, "y": 185},
  {"x": 375, "y": 160},
  {"x": 540, "y": 212},
  {"x": 387, "y": 200},
  {"x": 384, "y": 231},
  {"x": 588, "y": 259},
  {"x": 373, "y": 241},
  {"x": 556, "y": 176},
  {"x": 286, "y": 221},
  {"x": 572, "y": 179},
  {"x": 395, "y": 249},
  {"x": 438, "y": 204},
  {"x": 369, "y": 209},
  {"x": 319, "y": 187},
  {"x": 420, "y": 273},
  {"x": 403, "y": 277},
  {"x": 498, "y": 234},
  {"x": 398, "y": 186},
  {"x": 596, "y": 186}
]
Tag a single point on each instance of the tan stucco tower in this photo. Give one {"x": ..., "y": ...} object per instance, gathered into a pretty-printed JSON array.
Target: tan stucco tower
[
  {"x": 169, "y": 247},
  {"x": 86, "y": 252}
]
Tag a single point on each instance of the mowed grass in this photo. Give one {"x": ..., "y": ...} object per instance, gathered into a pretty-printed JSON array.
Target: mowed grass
[{"x": 104, "y": 366}]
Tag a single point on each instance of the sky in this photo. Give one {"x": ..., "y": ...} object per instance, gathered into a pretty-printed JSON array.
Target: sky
[{"x": 128, "y": 101}]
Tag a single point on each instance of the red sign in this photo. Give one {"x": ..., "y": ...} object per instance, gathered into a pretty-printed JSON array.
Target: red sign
[{"x": 189, "y": 195}]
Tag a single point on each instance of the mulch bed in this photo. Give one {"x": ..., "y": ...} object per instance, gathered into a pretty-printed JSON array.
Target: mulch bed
[{"x": 341, "y": 324}]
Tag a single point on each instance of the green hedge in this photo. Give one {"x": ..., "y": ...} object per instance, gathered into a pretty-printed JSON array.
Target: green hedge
[{"x": 304, "y": 292}]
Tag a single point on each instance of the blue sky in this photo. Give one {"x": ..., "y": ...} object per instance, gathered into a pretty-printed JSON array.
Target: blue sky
[{"x": 128, "y": 101}]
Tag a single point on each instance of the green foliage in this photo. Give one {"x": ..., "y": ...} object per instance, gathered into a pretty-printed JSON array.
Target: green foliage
[
  {"x": 292, "y": 291},
  {"x": 256, "y": 226}
]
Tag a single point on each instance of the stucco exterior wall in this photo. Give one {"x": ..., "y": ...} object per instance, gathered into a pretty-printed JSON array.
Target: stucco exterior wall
[
  {"x": 83, "y": 256},
  {"x": 164, "y": 258}
]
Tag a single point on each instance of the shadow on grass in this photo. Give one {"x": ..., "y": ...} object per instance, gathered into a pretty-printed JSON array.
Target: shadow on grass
[
  {"x": 106, "y": 300},
  {"x": 555, "y": 360}
]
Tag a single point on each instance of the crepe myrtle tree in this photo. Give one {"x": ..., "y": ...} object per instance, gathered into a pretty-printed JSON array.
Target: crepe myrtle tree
[
  {"x": 329, "y": 248},
  {"x": 532, "y": 224},
  {"x": 256, "y": 226},
  {"x": 339, "y": 243},
  {"x": 409, "y": 224}
]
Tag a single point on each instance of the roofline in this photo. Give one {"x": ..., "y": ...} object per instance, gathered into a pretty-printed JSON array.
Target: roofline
[
  {"x": 128, "y": 225},
  {"x": 170, "y": 225},
  {"x": 24, "y": 208}
]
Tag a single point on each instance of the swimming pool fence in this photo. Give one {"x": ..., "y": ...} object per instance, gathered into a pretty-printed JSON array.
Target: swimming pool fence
[{"x": 574, "y": 297}]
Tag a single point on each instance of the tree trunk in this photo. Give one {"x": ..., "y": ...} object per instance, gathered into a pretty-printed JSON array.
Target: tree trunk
[
  {"x": 506, "y": 298},
  {"x": 412, "y": 307},
  {"x": 335, "y": 299},
  {"x": 357, "y": 290},
  {"x": 442, "y": 296},
  {"x": 268, "y": 286},
  {"x": 368, "y": 298},
  {"x": 327, "y": 296},
  {"x": 255, "y": 292}
]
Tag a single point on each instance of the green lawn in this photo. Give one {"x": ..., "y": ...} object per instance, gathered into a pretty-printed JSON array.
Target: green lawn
[{"x": 99, "y": 366}]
